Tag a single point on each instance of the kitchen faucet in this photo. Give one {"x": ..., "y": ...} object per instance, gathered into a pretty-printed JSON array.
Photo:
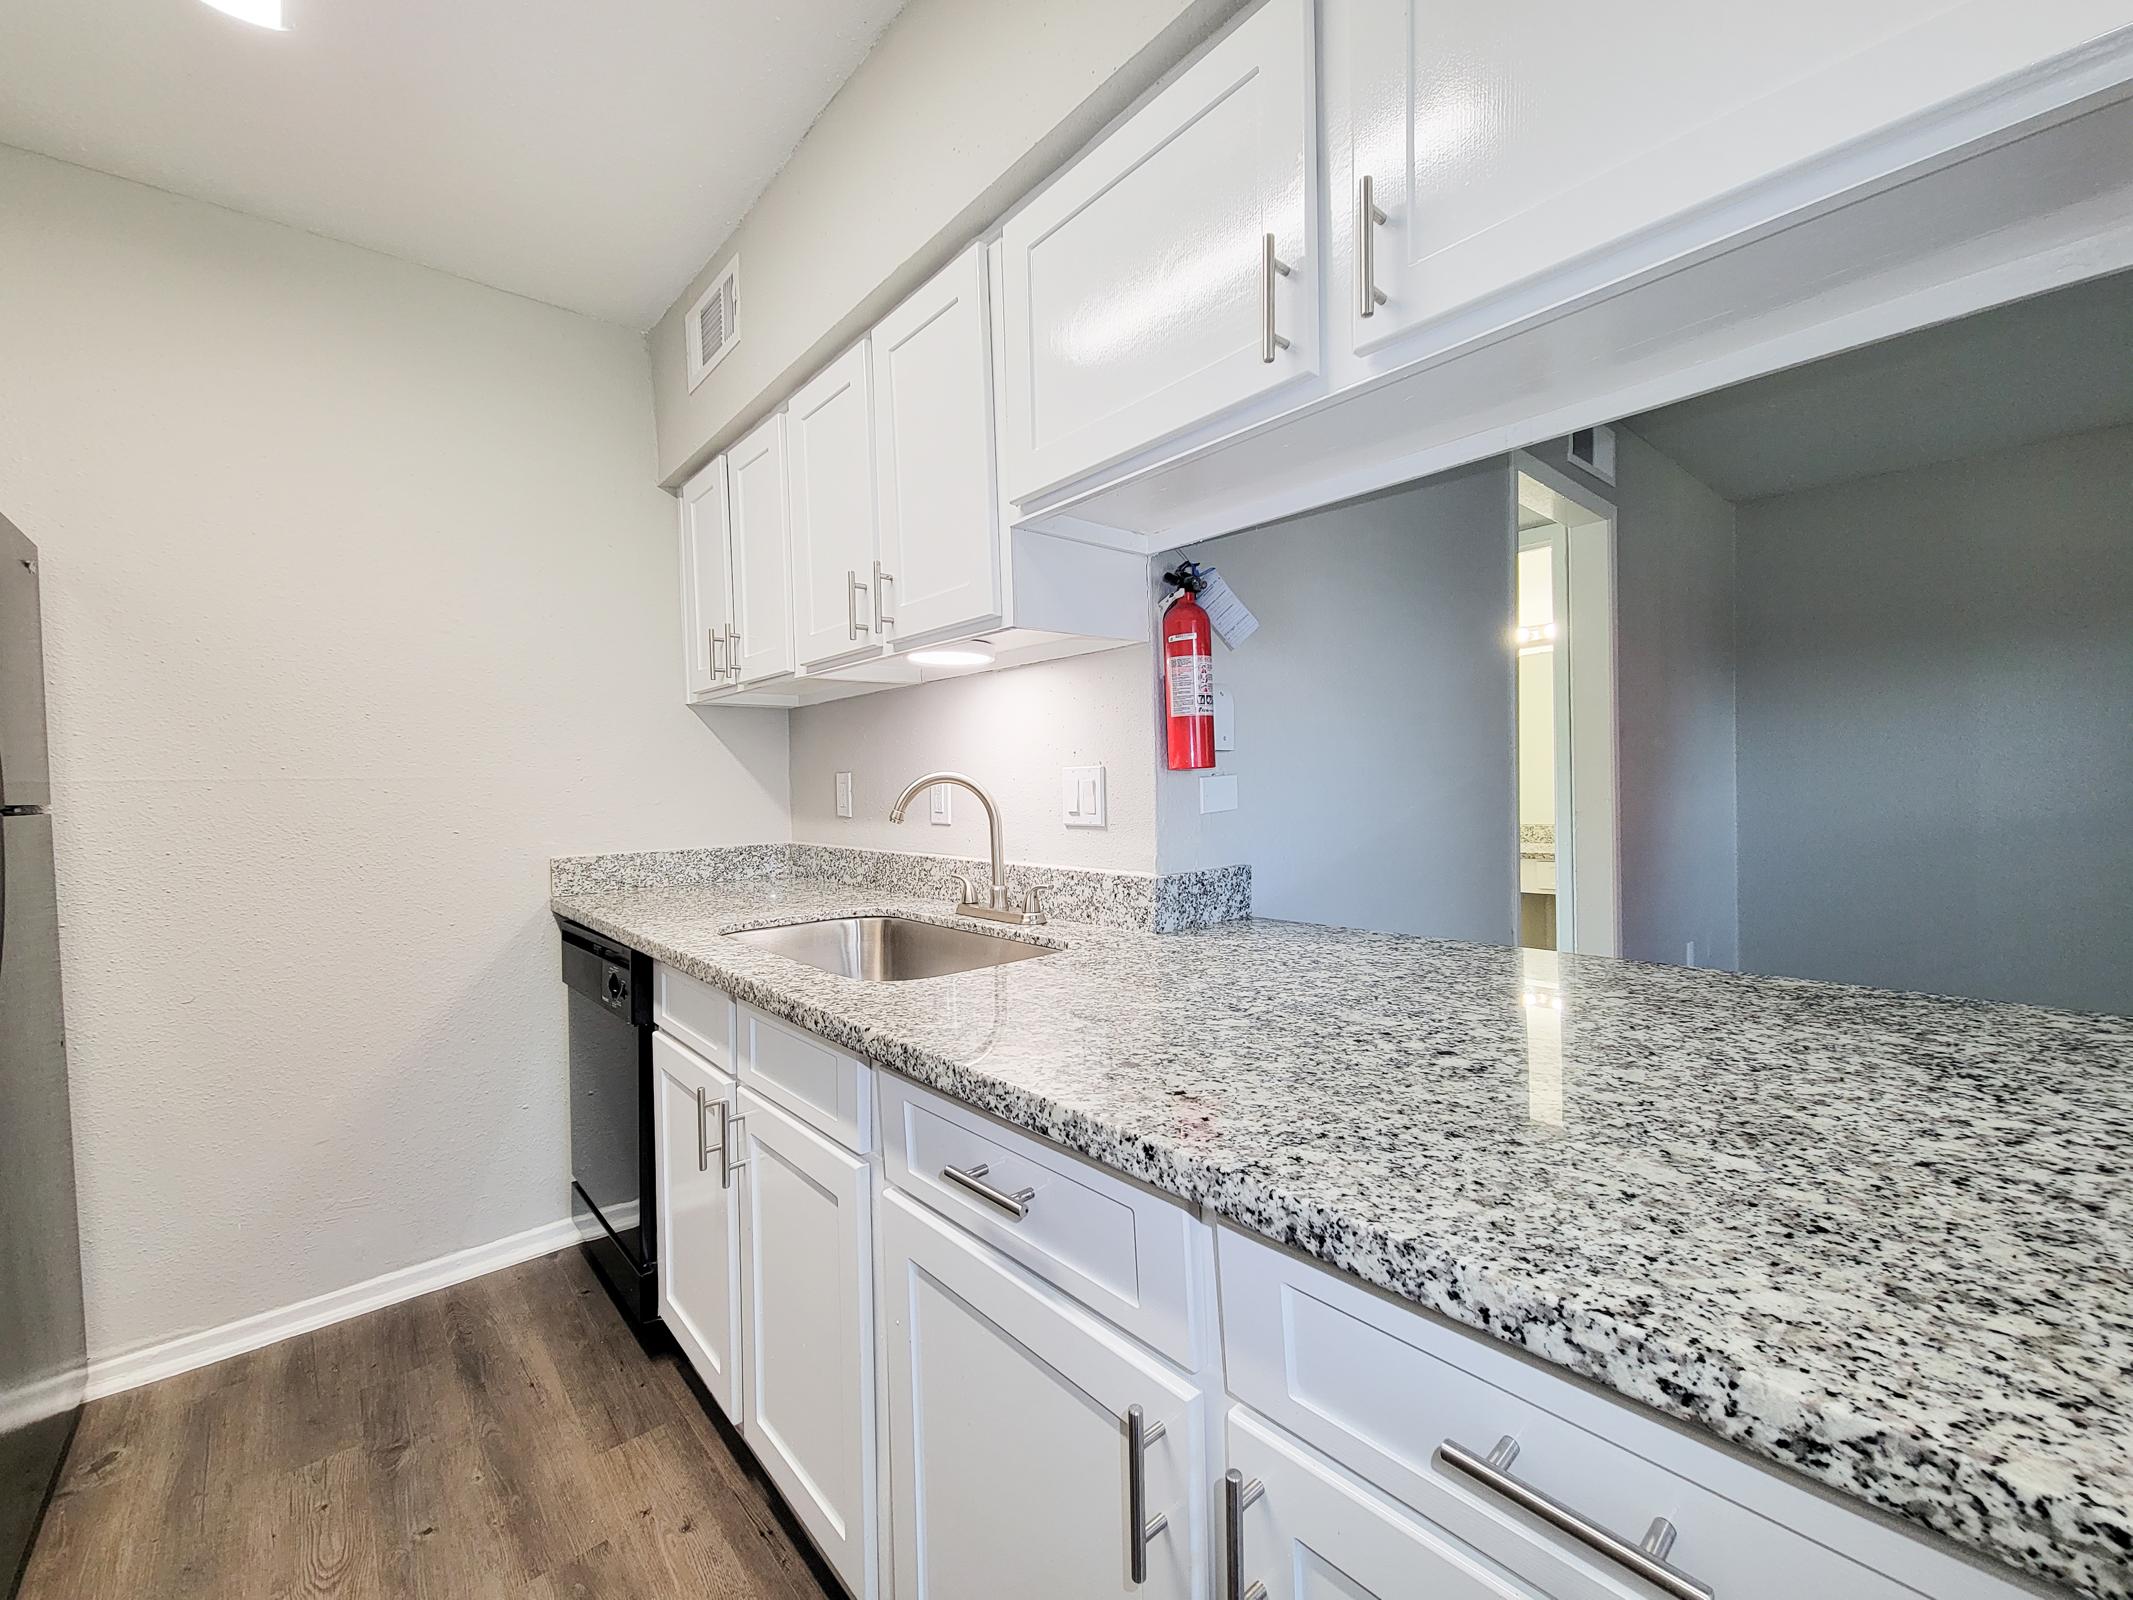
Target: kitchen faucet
[{"x": 996, "y": 908}]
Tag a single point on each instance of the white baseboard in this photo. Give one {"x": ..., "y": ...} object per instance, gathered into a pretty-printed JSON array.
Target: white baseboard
[
  {"x": 41, "y": 1398},
  {"x": 129, "y": 1369}
]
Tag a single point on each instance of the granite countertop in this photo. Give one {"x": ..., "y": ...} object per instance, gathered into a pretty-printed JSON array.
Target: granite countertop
[{"x": 1881, "y": 1239}]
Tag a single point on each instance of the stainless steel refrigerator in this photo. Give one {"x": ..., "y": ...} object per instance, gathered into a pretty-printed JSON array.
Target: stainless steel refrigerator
[{"x": 41, "y": 1355}]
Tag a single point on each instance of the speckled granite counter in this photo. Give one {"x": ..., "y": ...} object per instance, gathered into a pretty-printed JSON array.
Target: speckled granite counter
[{"x": 1881, "y": 1239}]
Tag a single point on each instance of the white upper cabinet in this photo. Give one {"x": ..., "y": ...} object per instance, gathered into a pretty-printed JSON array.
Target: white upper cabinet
[
  {"x": 829, "y": 441},
  {"x": 1504, "y": 142},
  {"x": 706, "y": 582},
  {"x": 1171, "y": 274},
  {"x": 761, "y": 644},
  {"x": 936, "y": 495}
]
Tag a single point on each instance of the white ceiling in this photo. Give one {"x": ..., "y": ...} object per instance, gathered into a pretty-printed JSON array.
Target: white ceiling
[
  {"x": 583, "y": 152},
  {"x": 2060, "y": 363}
]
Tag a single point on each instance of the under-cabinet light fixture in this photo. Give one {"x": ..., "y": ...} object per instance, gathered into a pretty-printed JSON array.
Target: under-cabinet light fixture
[
  {"x": 259, "y": 13},
  {"x": 973, "y": 653}
]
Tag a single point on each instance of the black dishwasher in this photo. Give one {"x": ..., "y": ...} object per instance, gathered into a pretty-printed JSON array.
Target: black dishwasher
[{"x": 611, "y": 1144}]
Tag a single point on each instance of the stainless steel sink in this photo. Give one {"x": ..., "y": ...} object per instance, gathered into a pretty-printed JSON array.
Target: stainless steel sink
[{"x": 889, "y": 949}]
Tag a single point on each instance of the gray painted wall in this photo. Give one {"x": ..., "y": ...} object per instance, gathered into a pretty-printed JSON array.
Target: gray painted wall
[
  {"x": 1674, "y": 667},
  {"x": 1374, "y": 715},
  {"x": 1936, "y": 727}
]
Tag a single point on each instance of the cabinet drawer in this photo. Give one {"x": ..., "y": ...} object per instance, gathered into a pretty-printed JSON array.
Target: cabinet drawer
[
  {"x": 1143, "y": 1261},
  {"x": 700, "y": 1016},
  {"x": 1380, "y": 1389},
  {"x": 818, "y": 1083}
]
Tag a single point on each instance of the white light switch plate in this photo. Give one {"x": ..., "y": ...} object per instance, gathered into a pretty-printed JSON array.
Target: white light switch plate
[
  {"x": 1081, "y": 796},
  {"x": 939, "y": 806},
  {"x": 844, "y": 794},
  {"x": 1218, "y": 792}
]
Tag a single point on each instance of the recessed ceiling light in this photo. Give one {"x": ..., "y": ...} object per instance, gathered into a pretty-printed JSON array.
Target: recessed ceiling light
[
  {"x": 974, "y": 653},
  {"x": 259, "y": 13}
]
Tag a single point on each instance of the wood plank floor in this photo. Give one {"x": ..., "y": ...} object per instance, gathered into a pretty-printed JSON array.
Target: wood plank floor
[{"x": 507, "y": 1437}]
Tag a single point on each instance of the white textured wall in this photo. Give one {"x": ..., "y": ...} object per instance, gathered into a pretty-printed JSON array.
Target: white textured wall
[
  {"x": 963, "y": 106},
  {"x": 1012, "y": 731},
  {"x": 359, "y": 603}
]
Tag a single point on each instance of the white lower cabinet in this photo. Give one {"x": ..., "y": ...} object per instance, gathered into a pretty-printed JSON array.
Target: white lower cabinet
[
  {"x": 1306, "y": 1530},
  {"x": 808, "y": 1331},
  {"x": 699, "y": 1217},
  {"x": 1012, "y": 1466},
  {"x": 990, "y": 1432}
]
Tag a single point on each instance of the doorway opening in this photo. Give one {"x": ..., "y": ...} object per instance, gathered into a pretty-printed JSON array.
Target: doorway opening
[{"x": 1563, "y": 634}]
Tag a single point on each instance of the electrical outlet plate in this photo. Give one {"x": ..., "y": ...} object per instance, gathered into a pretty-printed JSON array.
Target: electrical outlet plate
[
  {"x": 940, "y": 808},
  {"x": 1218, "y": 792},
  {"x": 1081, "y": 797},
  {"x": 844, "y": 794}
]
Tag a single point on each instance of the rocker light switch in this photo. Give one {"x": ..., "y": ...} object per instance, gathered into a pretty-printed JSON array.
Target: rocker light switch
[
  {"x": 938, "y": 806},
  {"x": 1081, "y": 796},
  {"x": 844, "y": 794}
]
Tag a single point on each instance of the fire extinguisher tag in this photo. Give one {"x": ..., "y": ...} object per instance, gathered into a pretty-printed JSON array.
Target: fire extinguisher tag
[
  {"x": 1228, "y": 615},
  {"x": 1192, "y": 685}
]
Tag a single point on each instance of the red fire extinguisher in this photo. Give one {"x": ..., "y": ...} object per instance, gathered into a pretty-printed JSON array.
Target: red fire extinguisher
[{"x": 1188, "y": 673}]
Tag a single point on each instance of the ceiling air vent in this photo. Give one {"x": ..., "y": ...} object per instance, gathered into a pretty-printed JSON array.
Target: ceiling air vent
[{"x": 714, "y": 323}]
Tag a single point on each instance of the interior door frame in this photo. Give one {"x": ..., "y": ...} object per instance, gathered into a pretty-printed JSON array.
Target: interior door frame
[{"x": 1588, "y": 866}]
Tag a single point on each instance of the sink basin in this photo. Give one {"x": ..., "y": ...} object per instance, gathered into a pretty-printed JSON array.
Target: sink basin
[{"x": 889, "y": 949}]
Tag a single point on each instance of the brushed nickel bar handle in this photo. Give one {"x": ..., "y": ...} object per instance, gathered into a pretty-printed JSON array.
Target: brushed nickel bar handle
[
  {"x": 1238, "y": 1497},
  {"x": 729, "y": 1126},
  {"x": 1645, "y": 1561},
  {"x": 716, "y": 641},
  {"x": 1271, "y": 266},
  {"x": 1140, "y": 1527},
  {"x": 1368, "y": 216},
  {"x": 1015, "y": 1205},
  {"x": 852, "y": 588},
  {"x": 733, "y": 652},
  {"x": 703, "y": 1134},
  {"x": 882, "y": 580}
]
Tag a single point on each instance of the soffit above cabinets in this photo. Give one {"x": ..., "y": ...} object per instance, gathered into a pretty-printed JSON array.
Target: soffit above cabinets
[{"x": 589, "y": 156}]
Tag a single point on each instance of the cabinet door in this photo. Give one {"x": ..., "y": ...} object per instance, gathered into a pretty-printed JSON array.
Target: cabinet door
[
  {"x": 937, "y": 497},
  {"x": 808, "y": 1321},
  {"x": 1138, "y": 290},
  {"x": 1508, "y": 140},
  {"x": 699, "y": 1218},
  {"x": 706, "y": 583},
  {"x": 829, "y": 441},
  {"x": 762, "y": 603},
  {"x": 1311, "y": 1532},
  {"x": 1008, "y": 1438}
]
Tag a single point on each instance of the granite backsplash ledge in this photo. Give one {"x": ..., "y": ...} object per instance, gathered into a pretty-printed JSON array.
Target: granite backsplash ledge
[{"x": 1166, "y": 902}]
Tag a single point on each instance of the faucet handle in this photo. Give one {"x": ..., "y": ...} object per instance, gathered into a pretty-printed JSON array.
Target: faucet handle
[
  {"x": 1033, "y": 903},
  {"x": 967, "y": 896}
]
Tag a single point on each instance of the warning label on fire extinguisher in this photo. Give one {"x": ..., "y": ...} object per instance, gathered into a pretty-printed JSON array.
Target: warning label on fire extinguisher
[{"x": 1192, "y": 686}]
